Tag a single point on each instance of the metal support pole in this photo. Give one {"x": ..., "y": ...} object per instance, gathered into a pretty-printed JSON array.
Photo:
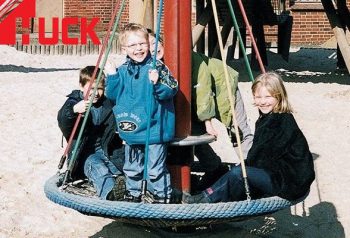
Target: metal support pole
[{"x": 178, "y": 48}]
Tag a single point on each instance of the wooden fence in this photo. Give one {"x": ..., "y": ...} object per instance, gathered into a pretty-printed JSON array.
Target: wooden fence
[{"x": 61, "y": 49}]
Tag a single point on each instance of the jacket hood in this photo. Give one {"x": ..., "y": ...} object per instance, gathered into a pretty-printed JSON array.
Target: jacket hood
[{"x": 76, "y": 94}]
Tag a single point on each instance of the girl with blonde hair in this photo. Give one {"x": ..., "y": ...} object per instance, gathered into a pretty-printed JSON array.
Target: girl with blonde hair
[{"x": 279, "y": 162}]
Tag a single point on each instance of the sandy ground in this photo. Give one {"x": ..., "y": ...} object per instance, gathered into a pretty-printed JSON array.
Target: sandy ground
[{"x": 33, "y": 88}]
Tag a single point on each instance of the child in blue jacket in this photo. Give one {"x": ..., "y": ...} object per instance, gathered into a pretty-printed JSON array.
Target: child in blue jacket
[{"x": 129, "y": 87}]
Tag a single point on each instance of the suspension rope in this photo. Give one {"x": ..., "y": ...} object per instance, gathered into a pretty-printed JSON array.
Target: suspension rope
[
  {"x": 235, "y": 24},
  {"x": 107, "y": 40},
  {"x": 150, "y": 102},
  {"x": 252, "y": 39},
  {"x": 228, "y": 86}
]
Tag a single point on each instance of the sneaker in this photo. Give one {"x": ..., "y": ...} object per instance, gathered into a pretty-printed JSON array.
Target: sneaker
[
  {"x": 176, "y": 196},
  {"x": 199, "y": 198},
  {"x": 130, "y": 198},
  {"x": 155, "y": 199},
  {"x": 118, "y": 191}
]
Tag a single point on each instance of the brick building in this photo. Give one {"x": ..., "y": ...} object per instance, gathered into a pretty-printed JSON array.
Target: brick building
[
  {"x": 310, "y": 23},
  {"x": 310, "y": 26}
]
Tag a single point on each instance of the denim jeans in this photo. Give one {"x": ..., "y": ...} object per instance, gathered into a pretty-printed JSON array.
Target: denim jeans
[
  {"x": 158, "y": 177},
  {"x": 101, "y": 172},
  {"x": 230, "y": 187}
]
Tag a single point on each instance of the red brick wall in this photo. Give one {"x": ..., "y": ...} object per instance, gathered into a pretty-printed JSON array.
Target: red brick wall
[
  {"x": 102, "y": 9},
  {"x": 311, "y": 25}
]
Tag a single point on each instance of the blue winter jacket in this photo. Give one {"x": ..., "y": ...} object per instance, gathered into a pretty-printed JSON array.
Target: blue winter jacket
[{"x": 130, "y": 88}]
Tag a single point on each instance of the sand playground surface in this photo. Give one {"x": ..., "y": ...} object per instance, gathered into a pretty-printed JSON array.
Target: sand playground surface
[{"x": 33, "y": 87}]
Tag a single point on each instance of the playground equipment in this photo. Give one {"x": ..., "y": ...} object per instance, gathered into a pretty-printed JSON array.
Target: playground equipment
[
  {"x": 339, "y": 20},
  {"x": 80, "y": 196},
  {"x": 254, "y": 14}
]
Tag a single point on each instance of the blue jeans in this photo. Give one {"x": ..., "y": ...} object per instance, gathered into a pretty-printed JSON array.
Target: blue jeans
[
  {"x": 101, "y": 172},
  {"x": 158, "y": 177},
  {"x": 230, "y": 187}
]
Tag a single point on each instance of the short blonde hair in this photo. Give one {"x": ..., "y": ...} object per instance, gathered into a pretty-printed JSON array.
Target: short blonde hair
[
  {"x": 132, "y": 28},
  {"x": 274, "y": 85}
]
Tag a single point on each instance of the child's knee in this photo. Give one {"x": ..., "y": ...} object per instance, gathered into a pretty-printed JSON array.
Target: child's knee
[{"x": 236, "y": 172}]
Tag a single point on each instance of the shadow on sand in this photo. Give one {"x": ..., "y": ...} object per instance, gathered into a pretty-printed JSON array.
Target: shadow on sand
[
  {"x": 299, "y": 221},
  {"x": 23, "y": 69},
  {"x": 315, "y": 65},
  {"x": 319, "y": 221}
]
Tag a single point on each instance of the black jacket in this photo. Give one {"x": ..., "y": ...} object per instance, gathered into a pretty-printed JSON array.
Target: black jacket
[
  {"x": 105, "y": 132},
  {"x": 280, "y": 148}
]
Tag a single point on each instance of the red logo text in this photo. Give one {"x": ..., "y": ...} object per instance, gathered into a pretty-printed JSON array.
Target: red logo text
[{"x": 11, "y": 10}]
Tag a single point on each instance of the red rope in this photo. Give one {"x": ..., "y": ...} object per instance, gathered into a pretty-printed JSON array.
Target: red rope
[
  {"x": 105, "y": 42},
  {"x": 262, "y": 67}
]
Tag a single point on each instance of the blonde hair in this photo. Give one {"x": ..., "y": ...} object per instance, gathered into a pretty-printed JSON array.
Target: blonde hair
[
  {"x": 274, "y": 85},
  {"x": 132, "y": 28}
]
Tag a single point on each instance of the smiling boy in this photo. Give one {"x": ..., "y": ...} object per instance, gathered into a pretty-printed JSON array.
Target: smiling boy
[{"x": 129, "y": 86}]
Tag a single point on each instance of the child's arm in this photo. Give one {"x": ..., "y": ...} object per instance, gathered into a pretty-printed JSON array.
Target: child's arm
[
  {"x": 166, "y": 85},
  {"x": 204, "y": 96},
  {"x": 153, "y": 75},
  {"x": 112, "y": 81},
  {"x": 66, "y": 117},
  {"x": 81, "y": 106},
  {"x": 209, "y": 128},
  {"x": 110, "y": 68}
]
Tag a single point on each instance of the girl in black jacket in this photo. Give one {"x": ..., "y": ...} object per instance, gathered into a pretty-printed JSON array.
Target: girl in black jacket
[{"x": 279, "y": 162}]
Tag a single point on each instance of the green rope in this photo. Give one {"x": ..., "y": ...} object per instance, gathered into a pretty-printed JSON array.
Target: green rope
[
  {"x": 249, "y": 70},
  {"x": 150, "y": 102},
  {"x": 74, "y": 152}
]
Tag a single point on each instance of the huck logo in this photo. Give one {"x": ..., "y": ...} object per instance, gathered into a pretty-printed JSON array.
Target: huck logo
[{"x": 11, "y": 10}]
